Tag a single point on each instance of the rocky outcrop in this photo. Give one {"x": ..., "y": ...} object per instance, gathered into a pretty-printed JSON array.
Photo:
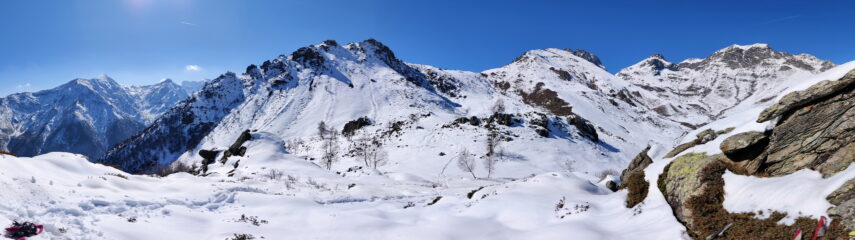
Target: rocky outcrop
[
  {"x": 743, "y": 146},
  {"x": 844, "y": 200},
  {"x": 632, "y": 178},
  {"x": 586, "y": 128},
  {"x": 816, "y": 135},
  {"x": 639, "y": 163},
  {"x": 798, "y": 99},
  {"x": 816, "y": 130},
  {"x": 684, "y": 178},
  {"x": 237, "y": 148},
  {"x": 701, "y": 138}
]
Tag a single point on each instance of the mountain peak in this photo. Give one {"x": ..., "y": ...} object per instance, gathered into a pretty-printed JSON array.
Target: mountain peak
[
  {"x": 588, "y": 56},
  {"x": 746, "y": 47},
  {"x": 657, "y": 56}
]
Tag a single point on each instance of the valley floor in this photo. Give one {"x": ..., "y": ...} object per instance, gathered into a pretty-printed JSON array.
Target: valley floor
[{"x": 76, "y": 199}]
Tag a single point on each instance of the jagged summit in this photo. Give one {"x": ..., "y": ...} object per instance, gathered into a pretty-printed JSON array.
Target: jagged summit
[
  {"x": 657, "y": 56},
  {"x": 745, "y": 47},
  {"x": 714, "y": 84},
  {"x": 588, "y": 56}
]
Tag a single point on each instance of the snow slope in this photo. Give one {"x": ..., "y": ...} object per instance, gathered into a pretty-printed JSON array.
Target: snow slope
[{"x": 77, "y": 199}]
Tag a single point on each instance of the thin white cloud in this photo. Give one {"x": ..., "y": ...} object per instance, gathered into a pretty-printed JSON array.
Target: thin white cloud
[
  {"x": 192, "y": 68},
  {"x": 24, "y": 86},
  {"x": 782, "y": 19},
  {"x": 188, "y": 23}
]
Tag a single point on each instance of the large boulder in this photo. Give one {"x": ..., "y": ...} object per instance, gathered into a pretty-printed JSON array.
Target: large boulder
[
  {"x": 639, "y": 163},
  {"x": 684, "y": 178},
  {"x": 818, "y": 135},
  {"x": 844, "y": 210},
  {"x": 208, "y": 155},
  {"x": 744, "y": 146},
  {"x": 237, "y": 148},
  {"x": 798, "y": 99}
]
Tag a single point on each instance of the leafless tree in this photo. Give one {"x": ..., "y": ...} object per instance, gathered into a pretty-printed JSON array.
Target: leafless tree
[
  {"x": 322, "y": 129},
  {"x": 490, "y": 159},
  {"x": 330, "y": 150},
  {"x": 466, "y": 163},
  {"x": 370, "y": 149},
  {"x": 379, "y": 156}
]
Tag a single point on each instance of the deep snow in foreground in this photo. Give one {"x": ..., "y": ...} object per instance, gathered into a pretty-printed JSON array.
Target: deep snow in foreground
[{"x": 76, "y": 199}]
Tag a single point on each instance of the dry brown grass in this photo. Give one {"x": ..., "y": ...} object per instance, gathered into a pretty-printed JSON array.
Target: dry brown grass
[
  {"x": 710, "y": 215},
  {"x": 637, "y": 187}
]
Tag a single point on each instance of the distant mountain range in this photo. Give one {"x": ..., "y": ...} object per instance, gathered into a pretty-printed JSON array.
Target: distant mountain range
[
  {"x": 86, "y": 116},
  {"x": 563, "y": 102}
]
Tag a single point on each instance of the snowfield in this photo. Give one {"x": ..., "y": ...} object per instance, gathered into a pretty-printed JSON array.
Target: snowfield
[{"x": 76, "y": 199}]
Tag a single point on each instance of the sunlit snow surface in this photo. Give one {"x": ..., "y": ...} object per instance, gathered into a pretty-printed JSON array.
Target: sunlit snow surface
[{"x": 88, "y": 201}]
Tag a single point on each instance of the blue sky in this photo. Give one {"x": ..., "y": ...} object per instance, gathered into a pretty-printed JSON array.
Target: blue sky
[{"x": 46, "y": 43}]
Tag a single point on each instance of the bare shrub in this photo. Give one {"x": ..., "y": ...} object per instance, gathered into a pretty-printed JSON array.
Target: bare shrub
[
  {"x": 466, "y": 163},
  {"x": 176, "y": 167},
  {"x": 330, "y": 150},
  {"x": 274, "y": 174}
]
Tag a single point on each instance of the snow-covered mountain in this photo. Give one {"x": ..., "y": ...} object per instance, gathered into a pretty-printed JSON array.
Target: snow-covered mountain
[
  {"x": 565, "y": 109},
  {"x": 85, "y": 116},
  {"x": 700, "y": 90},
  {"x": 559, "y": 118}
]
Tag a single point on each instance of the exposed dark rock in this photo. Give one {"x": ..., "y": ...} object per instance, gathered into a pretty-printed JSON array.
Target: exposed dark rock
[
  {"x": 639, "y": 163},
  {"x": 351, "y": 126},
  {"x": 237, "y": 148},
  {"x": 818, "y": 135},
  {"x": 563, "y": 75},
  {"x": 548, "y": 99},
  {"x": 658, "y": 63},
  {"x": 308, "y": 56},
  {"x": 586, "y": 128},
  {"x": 744, "y": 146},
  {"x": 590, "y": 57},
  {"x": 611, "y": 185},
  {"x": 208, "y": 155},
  {"x": 475, "y": 121},
  {"x": 502, "y": 119}
]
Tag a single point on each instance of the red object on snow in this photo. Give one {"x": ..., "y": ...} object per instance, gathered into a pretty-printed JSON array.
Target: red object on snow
[
  {"x": 798, "y": 235},
  {"x": 22, "y": 231},
  {"x": 820, "y": 228}
]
